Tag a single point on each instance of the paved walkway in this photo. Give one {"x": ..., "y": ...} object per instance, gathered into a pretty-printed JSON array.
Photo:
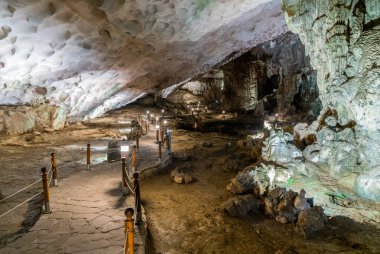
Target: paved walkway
[{"x": 88, "y": 210}]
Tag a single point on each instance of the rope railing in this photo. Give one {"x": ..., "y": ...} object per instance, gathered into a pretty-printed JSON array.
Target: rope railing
[
  {"x": 27, "y": 200},
  {"x": 50, "y": 175}
]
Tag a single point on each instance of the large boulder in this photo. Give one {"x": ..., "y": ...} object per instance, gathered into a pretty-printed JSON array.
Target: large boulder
[
  {"x": 242, "y": 205},
  {"x": 368, "y": 184},
  {"x": 279, "y": 147},
  {"x": 311, "y": 220}
]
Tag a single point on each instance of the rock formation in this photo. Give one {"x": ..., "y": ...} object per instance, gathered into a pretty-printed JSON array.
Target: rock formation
[
  {"x": 342, "y": 38},
  {"x": 92, "y": 56}
]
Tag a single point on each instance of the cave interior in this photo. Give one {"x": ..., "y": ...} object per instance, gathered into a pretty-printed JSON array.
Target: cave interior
[{"x": 227, "y": 126}]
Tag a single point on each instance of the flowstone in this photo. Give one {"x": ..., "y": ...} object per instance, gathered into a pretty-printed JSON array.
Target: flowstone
[{"x": 342, "y": 38}]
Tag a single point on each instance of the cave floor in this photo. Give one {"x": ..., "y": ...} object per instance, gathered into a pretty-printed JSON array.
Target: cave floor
[
  {"x": 182, "y": 218},
  {"x": 189, "y": 219}
]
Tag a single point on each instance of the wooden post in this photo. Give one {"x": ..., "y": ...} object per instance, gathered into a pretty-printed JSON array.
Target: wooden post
[
  {"x": 45, "y": 184},
  {"x": 169, "y": 139},
  {"x": 88, "y": 157},
  {"x": 157, "y": 135},
  {"x": 54, "y": 169},
  {"x": 138, "y": 139},
  {"x": 161, "y": 135},
  {"x": 136, "y": 185},
  {"x": 129, "y": 245},
  {"x": 124, "y": 187},
  {"x": 133, "y": 159},
  {"x": 159, "y": 150}
]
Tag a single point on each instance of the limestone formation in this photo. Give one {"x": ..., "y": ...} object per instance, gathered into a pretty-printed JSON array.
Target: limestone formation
[
  {"x": 342, "y": 38},
  {"x": 279, "y": 148},
  {"x": 92, "y": 56},
  {"x": 17, "y": 120}
]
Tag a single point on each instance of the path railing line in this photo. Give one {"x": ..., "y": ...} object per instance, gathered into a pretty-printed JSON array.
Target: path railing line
[
  {"x": 27, "y": 200},
  {"x": 14, "y": 208},
  {"x": 21, "y": 190}
]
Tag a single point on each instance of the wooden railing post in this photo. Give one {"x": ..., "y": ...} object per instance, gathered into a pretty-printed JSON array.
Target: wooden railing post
[
  {"x": 129, "y": 245},
  {"x": 54, "y": 169},
  {"x": 88, "y": 157},
  {"x": 133, "y": 159},
  {"x": 136, "y": 183},
  {"x": 169, "y": 140},
  {"x": 159, "y": 150},
  {"x": 161, "y": 135},
  {"x": 45, "y": 184},
  {"x": 138, "y": 139},
  {"x": 124, "y": 187}
]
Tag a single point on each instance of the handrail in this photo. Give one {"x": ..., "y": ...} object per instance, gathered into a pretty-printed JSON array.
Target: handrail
[
  {"x": 20, "y": 204},
  {"x": 22, "y": 189}
]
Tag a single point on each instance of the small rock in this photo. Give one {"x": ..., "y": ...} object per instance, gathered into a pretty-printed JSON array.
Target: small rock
[
  {"x": 207, "y": 144},
  {"x": 178, "y": 179},
  {"x": 181, "y": 156},
  {"x": 187, "y": 178}
]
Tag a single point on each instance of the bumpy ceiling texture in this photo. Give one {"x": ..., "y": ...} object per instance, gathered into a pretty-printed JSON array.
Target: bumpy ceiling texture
[{"x": 93, "y": 56}]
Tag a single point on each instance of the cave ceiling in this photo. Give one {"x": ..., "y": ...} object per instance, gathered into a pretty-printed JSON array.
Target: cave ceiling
[{"x": 92, "y": 56}]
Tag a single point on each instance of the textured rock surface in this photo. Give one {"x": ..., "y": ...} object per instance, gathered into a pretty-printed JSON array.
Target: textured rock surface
[
  {"x": 242, "y": 205},
  {"x": 276, "y": 73},
  {"x": 16, "y": 120},
  {"x": 92, "y": 56},
  {"x": 342, "y": 38}
]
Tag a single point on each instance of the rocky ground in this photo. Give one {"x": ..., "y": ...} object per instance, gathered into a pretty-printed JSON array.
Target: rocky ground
[
  {"x": 183, "y": 218},
  {"x": 188, "y": 218}
]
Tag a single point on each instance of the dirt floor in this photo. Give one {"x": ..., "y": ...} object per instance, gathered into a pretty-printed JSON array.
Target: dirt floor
[
  {"x": 182, "y": 218},
  {"x": 188, "y": 219}
]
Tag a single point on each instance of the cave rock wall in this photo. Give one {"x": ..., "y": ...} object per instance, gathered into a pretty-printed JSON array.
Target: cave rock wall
[
  {"x": 342, "y": 38},
  {"x": 276, "y": 74}
]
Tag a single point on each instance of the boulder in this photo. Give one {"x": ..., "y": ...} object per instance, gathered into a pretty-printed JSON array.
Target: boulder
[
  {"x": 240, "y": 206},
  {"x": 311, "y": 220},
  {"x": 279, "y": 148},
  {"x": 180, "y": 177},
  {"x": 243, "y": 182}
]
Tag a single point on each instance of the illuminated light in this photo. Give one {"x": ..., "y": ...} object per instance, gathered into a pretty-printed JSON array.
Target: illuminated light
[
  {"x": 223, "y": 112},
  {"x": 125, "y": 130},
  {"x": 165, "y": 122},
  {"x": 147, "y": 112},
  {"x": 271, "y": 175},
  {"x": 152, "y": 115},
  {"x": 157, "y": 126},
  {"x": 124, "y": 148},
  {"x": 267, "y": 125},
  {"x": 162, "y": 111},
  {"x": 258, "y": 136},
  {"x": 124, "y": 122}
]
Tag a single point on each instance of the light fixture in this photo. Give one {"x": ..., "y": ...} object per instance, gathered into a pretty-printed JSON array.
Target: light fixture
[
  {"x": 165, "y": 122},
  {"x": 157, "y": 126},
  {"x": 163, "y": 111},
  {"x": 124, "y": 148}
]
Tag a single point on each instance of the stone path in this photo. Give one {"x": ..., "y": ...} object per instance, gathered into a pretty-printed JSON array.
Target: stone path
[{"x": 87, "y": 211}]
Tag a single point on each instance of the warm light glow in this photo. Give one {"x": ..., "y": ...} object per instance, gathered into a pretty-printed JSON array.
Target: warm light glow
[
  {"x": 267, "y": 125},
  {"x": 165, "y": 122},
  {"x": 157, "y": 126},
  {"x": 147, "y": 112},
  {"x": 271, "y": 175},
  {"x": 223, "y": 112},
  {"x": 163, "y": 111},
  {"x": 124, "y": 148}
]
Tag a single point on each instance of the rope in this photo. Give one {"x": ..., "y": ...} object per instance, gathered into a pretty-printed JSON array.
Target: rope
[
  {"x": 21, "y": 204},
  {"x": 20, "y": 190},
  {"x": 126, "y": 180}
]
